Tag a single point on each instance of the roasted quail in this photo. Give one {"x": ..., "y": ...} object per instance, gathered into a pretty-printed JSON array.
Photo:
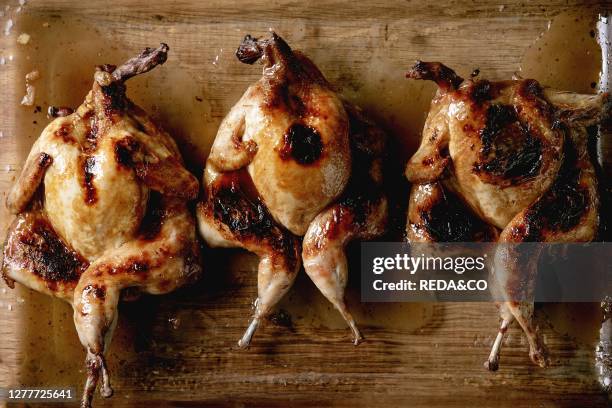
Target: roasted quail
[
  {"x": 293, "y": 159},
  {"x": 101, "y": 206},
  {"x": 513, "y": 156}
]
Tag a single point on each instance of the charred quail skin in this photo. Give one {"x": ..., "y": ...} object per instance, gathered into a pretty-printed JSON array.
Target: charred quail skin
[
  {"x": 511, "y": 158},
  {"x": 290, "y": 160},
  {"x": 101, "y": 206}
]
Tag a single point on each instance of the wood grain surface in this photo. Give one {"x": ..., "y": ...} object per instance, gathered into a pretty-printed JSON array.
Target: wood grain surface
[{"x": 179, "y": 350}]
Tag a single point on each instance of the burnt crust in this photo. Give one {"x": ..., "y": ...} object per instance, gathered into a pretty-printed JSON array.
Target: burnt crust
[
  {"x": 448, "y": 219},
  {"x": 562, "y": 207},
  {"x": 88, "y": 166},
  {"x": 301, "y": 143},
  {"x": 511, "y": 150},
  {"x": 124, "y": 150},
  {"x": 154, "y": 217},
  {"x": 481, "y": 91},
  {"x": 114, "y": 100},
  {"x": 235, "y": 205},
  {"x": 34, "y": 245},
  {"x": 242, "y": 216}
]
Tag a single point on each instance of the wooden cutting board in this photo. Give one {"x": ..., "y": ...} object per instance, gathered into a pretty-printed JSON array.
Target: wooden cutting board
[{"x": 180, "y": 349}]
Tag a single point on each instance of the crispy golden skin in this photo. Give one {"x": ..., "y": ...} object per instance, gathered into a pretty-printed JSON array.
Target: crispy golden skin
[
  {"x": 290, "y": 130},
  {"x": 514, "y": 155},
  {"x": 101, "y": 206},
  {"x": 292, "y": 159}
]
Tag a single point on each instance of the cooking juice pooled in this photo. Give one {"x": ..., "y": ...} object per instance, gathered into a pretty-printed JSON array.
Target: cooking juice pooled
[
  {"x": 306, "y": 305},
  {"x": 567, "y": 57}
]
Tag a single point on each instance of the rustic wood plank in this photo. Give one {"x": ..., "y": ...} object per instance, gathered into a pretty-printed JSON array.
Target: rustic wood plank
[{"x": 181, "y": 347}]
